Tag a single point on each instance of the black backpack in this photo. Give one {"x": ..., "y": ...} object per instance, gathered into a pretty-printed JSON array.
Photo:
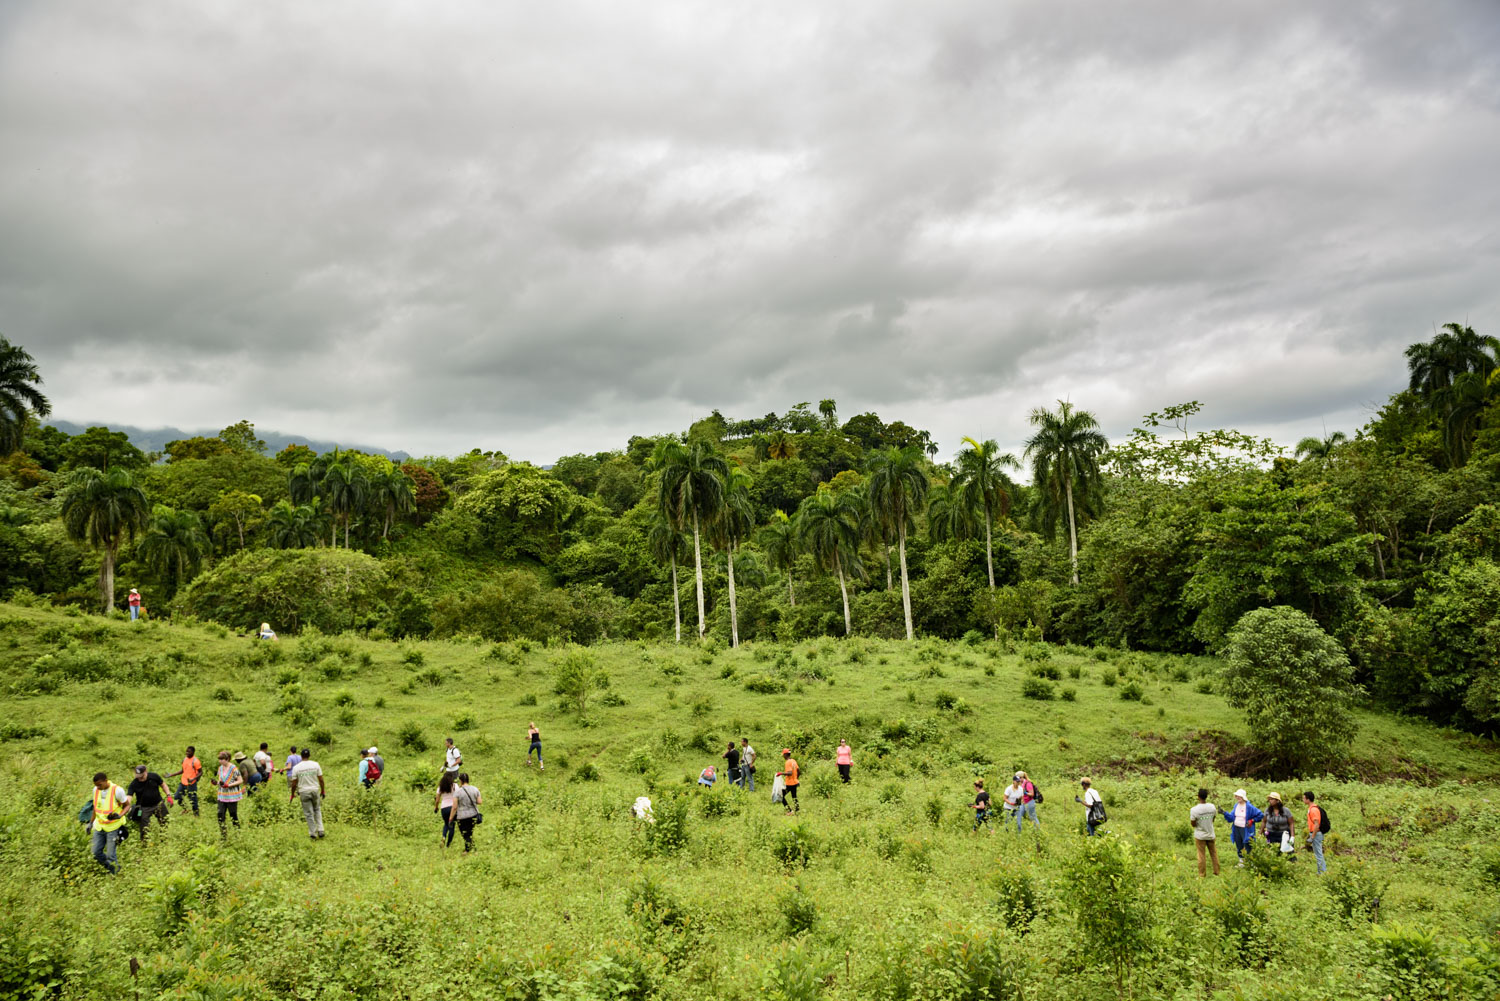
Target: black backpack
[
  {"x": 1324, "y": 824},
  {"x": 1036, "y": 793}
]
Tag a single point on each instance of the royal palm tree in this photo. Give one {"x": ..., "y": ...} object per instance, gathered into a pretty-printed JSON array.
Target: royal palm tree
[
  {"x": 898, "y": 486},
  {"x": 1318, "y": 449},
  {"x": 983, "y": 488},
  {"x": 296, "y": 527},
  {"x": 779, "y": 541},
  {"x": 392, "y": 493},
  {"x": 1463, "y": 403},
  {"x": 175, "y": 543},
  {"x": 19, "y": 396},
  {"x": 103, "y": 508},
  {"x": 345, "y": 489},
  {"x": 780, "y": 445},
  {"x": 830, "y": 411},
  {"x": 1065, "y": 454},
  {"x": 691, "y": 493},
  {"x": 948, "y": 516},
  {"x": 828, "y": 526},
  {"x": 1434, "y": 365},
  {"x": 665, "y": 540},
  {"x": 305, "y": 481},
  {"x": 735, "y": 521}
]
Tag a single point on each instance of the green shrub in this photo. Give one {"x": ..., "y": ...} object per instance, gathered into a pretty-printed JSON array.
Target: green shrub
[
  {"x": 529, "y": 699},
  {"x": 892, "y": 792},
  {"x": 411, "y": 737},
  {"x": 1075, "y": 671},
  {"x": 794, "y": 847},
  {"x": 1016, "y": 897},
  {"x": 172, "y": 896},
  {"x": 223, "y": 694},
  {"x": 1110, "y": 895},
  {"x": 973, "y": 964},
  {"x": 464, "y": 723},
  {"x": 33, "y": 960},
  {"x": 1046, "y": 670},
  {"x": 413, "y": 657},
  {"x": 1069, "y": 694},
  {"x": 1355, "y": 891},
  {"x": 944, "y": 700},
  {"x": 764, "y": 684},
  {"x": 343, "y": 697},
  {"x": 1132, "y": 691},
  {"x": 823, "y": 784},
  {"x": 1108, "y": 677},
  {"x": 1037, "y": 688},
  {"x": 1239, "y": 910},
  {"x": 585, "y": 773},
  {"x": 1204, "y": 687},
  {"x": 1409, "y": 962},
  {"x": 799, "y": 912},
  {"x": 670, "y": 833}
]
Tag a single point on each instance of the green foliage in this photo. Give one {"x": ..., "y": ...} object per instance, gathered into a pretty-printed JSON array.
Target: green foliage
[
  {"x": 799, "y": 911},
  {"x": 411, "y": 737},
  {"x": 1036, "y": 688},
  {"x": 1356, "y": 891},
  {"x": 330, "y": 589},
  {"x": 794, "y": 847},
  {"x": 1295, "y": 685},
  {"x": 670, "y": 832},
  {"x": 576, "y": 678},
  {"x": 1016, "y": 897},
  {"x": 1109, "y": 895}
]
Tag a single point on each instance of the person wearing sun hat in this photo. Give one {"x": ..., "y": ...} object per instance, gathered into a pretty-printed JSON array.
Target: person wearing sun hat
[
  {"x": 135, "y": 604},
  {"x": 1242, "y": 818},
  {"x": 1280, "y": 829}
]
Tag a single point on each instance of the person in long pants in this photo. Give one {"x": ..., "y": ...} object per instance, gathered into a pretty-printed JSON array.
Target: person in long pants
[
  {"x": 1315, "y": 830},
  {"x": 466, "y": 800},
  {"x": 306, "y": 781},
  {"x": 443, "y": 803}
]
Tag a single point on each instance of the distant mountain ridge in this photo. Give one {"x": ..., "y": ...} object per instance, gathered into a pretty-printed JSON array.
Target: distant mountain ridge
[{"x": 155, "y": 439}]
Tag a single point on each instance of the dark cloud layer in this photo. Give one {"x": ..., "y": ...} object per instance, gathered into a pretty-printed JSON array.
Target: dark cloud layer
[{"x": 544, "y": 227}]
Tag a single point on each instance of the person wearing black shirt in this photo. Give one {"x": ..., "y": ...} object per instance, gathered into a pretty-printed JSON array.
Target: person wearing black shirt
[
  {"x": 148, "y": 798},
  {"x": 733, "y": 757},
  {"x": 981, "y": 807}
]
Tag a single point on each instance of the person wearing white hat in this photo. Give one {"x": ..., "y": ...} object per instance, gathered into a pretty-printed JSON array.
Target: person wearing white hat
[
  {"x": 1242, "y": 818},
  {"x": 135, "y": 604}
]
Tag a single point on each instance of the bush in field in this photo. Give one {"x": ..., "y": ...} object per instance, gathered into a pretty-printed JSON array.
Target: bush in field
[
  {"x": 669, "y": 834},
  {"x": 1016, "y": 897},
  {"x": 576, "y": 678},
  {"x": 1037, "y": 688},
  {"x": 799, "y": 911},
  {"x": 1110, "y": 895},
  {"x": 1294, "y": 680},
  {"x": 410, "y": 736},
  {"x": 332, "y": 589}
]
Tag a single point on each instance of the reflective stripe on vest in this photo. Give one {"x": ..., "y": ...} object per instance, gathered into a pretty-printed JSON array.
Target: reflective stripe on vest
[{"x": 110, "y": 804}]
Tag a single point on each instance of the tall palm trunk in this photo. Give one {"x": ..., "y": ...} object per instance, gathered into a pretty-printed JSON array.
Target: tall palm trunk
[
  {"x": 989, "y": 560},
  {"x": 886, "y": 548},
  {"x": 107, "y": 578},
  {"x": 676, "y": 601},
  {"x": 347, "y": 519},
  {"x": 790, "y": 594},
  {"x": 698, "y": 574},
  {"x": 844, "y": 590},
  {"x": 905, "y": 585},
  {"x": 1072, "y": 529},
  {"x": 734, "y": 616}
]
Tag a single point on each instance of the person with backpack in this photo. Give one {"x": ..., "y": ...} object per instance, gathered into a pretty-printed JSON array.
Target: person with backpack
[
  {"x": 981, "y": 808},
  {"x": 369, "y": 771},
  {"x": 453, "y": 759},
  {"x": 264, "y": 763},
  {"x": 707, "y": 777},
  {"x": 1094, "y": 815},
  {"x": 1202, "y": 819},
  {"x": 379, "y": 761},
  {"x": 1031, "y": 796},
  {"x": 1280, "y": 829},
  {"x": 1242, "y": 818},
  {"x": 306, "y": 782},
  {"x": 1317, "y": 826},
  {"x": 110, "y": 804},
  {"x": 466, "y": 801}
]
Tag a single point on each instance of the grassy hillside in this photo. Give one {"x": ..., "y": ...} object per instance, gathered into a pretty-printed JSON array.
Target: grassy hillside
[{"x": 877, "y": 889}]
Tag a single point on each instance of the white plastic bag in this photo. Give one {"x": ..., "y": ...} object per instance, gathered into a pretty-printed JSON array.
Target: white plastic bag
[
  {"x": 1287, "y": 844},
  {"x": 642, "y": 809},
  {"x": 778, "y": 789}
]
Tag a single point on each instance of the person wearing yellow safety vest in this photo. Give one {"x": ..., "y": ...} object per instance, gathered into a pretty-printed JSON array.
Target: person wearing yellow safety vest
[{"x": 110, "y": 804}]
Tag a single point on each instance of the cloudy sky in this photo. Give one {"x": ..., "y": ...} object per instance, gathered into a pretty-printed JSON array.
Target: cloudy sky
[{"x": 542, "y": 227}]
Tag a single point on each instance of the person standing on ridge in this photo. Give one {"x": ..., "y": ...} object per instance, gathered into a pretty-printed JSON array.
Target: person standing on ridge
[
  {"x": 1202, "y": 819},
  {"x": 110, "y": 803},
  {"x": 135, "y": 604},
  {"x": 306, "y": 782},
  {"x": 843, "y": 756}
]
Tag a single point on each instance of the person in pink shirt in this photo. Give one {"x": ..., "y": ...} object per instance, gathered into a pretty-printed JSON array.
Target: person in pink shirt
[{"x": 844, "y": 758}]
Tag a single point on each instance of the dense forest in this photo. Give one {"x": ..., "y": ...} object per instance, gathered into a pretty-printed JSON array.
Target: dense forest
[{"x": 806, "y": 524}]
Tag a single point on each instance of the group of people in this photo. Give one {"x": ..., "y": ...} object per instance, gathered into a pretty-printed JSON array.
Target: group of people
[
  {"x": 1278, "y": 826},
  {"x": 1019, "y": 801}
]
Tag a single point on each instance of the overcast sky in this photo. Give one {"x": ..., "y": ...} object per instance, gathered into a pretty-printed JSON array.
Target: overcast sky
[{"x": 543, "y": 227}]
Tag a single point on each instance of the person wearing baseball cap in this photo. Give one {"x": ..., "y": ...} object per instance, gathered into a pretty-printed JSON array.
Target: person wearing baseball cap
[
  {"x": 149, "y": 799},
  {"x": 379, "y": 761}
]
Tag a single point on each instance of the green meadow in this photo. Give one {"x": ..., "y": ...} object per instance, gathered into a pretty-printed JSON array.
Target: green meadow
[{"x": 876, "y": 889}]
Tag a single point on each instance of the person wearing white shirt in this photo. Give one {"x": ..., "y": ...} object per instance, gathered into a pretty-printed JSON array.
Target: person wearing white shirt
[
  {"x": 1090, "y": 800},
  {"x": 452, "y": 759}
]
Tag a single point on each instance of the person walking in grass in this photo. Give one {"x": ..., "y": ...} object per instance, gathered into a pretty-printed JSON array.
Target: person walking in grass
[
  {"x": 110, "y": 805},
  {"x": 248, "y": 771},
  {"x": 1010, "y": 801},
  {"x": 1202, "y": 817},
  {"x": 307, "y": 786},
  {"x": 707, "y": 777},
  {"x": 788, "y": 773},
  {"x": 453, "y": 759},
  {"x": 135, "y": 604},
  {"x": 1028, "y": 802},
  {"x": 534, "y": 746},
  {"x": 1280, "y": 828},
  {"x": 442, "y": 802},
  {"x": 369, "y": 771},
  {"x": 1317, "y": 826},
  {"x": 732, "y": 756},
  {"x": 377, "y": 760},
  {"x": 466, "y": 801},
  {"x": 1242, "y": 818},
  {"x": 1093, "y": 806},
  {"x": 231, "y": 789},
  {"x": 264, "y": 763},
  {"x": 292, "y": 760},
  {"x": 747, "y": 765},
  {"x": 843, "y": 756},
  {"x": 981, "y": 807},
  {"x": 149, "y": 800},
  {"x": 187, "y": 779}
]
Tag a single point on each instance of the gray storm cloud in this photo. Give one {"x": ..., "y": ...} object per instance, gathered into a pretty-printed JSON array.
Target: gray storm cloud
[{"x": 542, "y": 228}]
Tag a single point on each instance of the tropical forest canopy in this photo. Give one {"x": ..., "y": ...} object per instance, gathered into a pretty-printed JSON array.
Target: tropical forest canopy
[{"x": 808, "y": 523}]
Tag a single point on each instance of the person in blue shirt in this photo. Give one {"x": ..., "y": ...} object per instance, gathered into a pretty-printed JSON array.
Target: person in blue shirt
[{"x": 1242, "y": 818}]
